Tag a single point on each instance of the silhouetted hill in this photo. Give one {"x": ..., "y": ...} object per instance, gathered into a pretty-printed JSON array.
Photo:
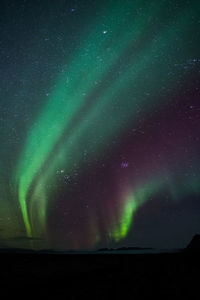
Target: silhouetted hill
[{"x": 194, "y": 245}]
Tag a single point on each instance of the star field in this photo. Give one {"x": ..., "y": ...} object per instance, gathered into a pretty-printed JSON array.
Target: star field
[{"x": 100, "y": 123}]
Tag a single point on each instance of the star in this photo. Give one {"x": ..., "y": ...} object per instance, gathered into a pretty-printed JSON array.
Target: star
[
  {"x": 124, "y": 164},
  {"x": 60, "y": 171}
]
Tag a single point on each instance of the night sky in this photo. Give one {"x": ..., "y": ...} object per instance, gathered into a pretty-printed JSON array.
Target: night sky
[{"x": 99, "y": 123}]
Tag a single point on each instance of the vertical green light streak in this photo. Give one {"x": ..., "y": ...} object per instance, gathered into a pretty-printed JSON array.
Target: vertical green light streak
[
  {"x": 132, "y": 202},
  {"x": 119, "y": 231}
]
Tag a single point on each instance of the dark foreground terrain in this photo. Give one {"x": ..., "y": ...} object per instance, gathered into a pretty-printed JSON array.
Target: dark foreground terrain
[{"x": 100, "y": 276}]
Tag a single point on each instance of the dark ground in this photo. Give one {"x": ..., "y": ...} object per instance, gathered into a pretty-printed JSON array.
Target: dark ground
[{"x": 101, "y": 276}]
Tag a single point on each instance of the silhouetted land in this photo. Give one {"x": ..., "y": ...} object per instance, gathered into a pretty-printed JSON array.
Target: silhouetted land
[
  {"x": 194, "y": 245},
  {"x": 99, "y": 276}
]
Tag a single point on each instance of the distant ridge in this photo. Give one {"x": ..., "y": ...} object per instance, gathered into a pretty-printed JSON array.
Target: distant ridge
[
  {"x": 17, "y": 250},
  {"x": 69, "y": 251},
  {"x": 32, "y": 251},
  {"x": 124, "y": 249}
]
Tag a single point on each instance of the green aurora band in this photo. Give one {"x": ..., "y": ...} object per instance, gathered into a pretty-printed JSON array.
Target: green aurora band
[{"x": 82, "y": 110}]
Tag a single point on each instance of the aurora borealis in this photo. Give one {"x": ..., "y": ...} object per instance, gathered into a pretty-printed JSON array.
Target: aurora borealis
[{"x": 100, "y": 123}]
